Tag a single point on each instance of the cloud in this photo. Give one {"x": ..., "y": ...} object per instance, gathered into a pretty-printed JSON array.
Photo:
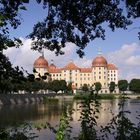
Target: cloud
[
  {"x": 127, "y": 60},
  {"x": 83, "y": 62},
  {"x": 25, "y": 57},
  {"x": 122, "y": 54},
  {"x": 133, "y": 61}
]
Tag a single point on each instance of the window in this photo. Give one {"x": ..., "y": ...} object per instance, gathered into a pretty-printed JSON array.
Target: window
[
  {"x": 60, "y": 74},
  {"x": 94, "y": 72},
  {"x": 104, "y": 77},
  {"x": 99, "y": 77},
  {"x": 99, "y": 72},
  {"x": 99, "y": 68},
  {"x": 114, "y": 74},
  {"x": 80, "y": 78},
  {"x": 84, "y": 74}
]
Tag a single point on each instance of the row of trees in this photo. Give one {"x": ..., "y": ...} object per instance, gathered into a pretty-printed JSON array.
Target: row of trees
[
  {"x": 123, "y": 85},
  {"x": 133, "y": 85},
  {"x": 30, "y": 84}
]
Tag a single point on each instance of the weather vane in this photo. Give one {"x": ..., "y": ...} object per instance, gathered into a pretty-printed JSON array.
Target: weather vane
[{"x": 99, "y": 51}]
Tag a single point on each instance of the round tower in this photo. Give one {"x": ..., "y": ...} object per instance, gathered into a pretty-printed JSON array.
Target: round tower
[
  {"x": 99, "y": 70},
  {"x": 40, "y": 66}
]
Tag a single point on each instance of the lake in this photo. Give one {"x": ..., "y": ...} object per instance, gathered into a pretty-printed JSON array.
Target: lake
[{"x": 40, "y": 113}]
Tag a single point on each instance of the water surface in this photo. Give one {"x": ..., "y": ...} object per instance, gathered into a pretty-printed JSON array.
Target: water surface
[{"x": 40, "y": 113}]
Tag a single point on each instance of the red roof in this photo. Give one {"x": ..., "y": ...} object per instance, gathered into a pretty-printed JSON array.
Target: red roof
[
  {"x": 99, "y": 61},
  {"x": 55, "y": 70},
  {"x": 111, "y": 67},
  {"x": 41, "y": 62},
  {"x": 86, "y": 70},
  {"x": 52, "y": 66},
  {"x": 71, "y": 66}
]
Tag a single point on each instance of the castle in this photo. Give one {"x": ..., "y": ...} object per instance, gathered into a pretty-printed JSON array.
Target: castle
[{"x": 100, "y": 71}]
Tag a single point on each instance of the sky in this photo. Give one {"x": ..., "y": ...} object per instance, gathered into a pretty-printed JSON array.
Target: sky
[{"x": 121, "y": 47}]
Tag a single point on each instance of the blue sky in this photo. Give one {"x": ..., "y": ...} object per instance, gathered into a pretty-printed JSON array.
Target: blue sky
[{"x": 111, "y": 46}]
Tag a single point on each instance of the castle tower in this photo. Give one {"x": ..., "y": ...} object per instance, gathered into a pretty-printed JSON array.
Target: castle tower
[
  {"x": 99, "y": 70},
  {"x": 40, "y": 66}
]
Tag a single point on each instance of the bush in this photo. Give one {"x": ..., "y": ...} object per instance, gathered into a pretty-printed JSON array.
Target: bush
[
  {"x": 100, "y": 96},
  {"x": 48, "y": 99},
  {"x": 106, "y": 96}
]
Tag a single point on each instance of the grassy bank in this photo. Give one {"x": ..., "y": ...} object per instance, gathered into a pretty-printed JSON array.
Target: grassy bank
[
  {"x": 100, "y": 96},
  {"x": 48, "y": 100}
]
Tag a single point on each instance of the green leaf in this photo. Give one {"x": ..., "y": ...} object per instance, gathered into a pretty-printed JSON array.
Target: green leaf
[
  {"x": 23, "y": 8},
  {"x": 25, "y": 1}
]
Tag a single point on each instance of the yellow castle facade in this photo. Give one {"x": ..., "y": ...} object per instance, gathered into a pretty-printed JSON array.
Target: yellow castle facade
[{"x": 100, "y": 71}]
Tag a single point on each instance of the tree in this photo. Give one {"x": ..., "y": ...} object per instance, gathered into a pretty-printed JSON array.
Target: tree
[
  {"x": 112, "y": 86},
  {"x": 134, "y": 85},
  {"x": 69, "y": 87},
  {"x": 63, "y": 85},
  {"x": 98, "y": 87},
  {"x": 85, "y": 88},
  {"x": 78, "y": 22},
  {"x": 73, "y": 21},
  {"x": 122, "y": 85},
  {"x": 55, "y": 85}
]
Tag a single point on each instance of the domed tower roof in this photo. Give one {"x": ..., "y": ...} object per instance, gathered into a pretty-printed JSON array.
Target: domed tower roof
[
  {"x": 70, "y": 66},
  {"x": 41, "y": 62},
  {"x": 99, "y": 61}
]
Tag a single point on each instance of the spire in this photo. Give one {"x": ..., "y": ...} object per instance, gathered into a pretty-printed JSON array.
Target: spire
[
  {"x": 42, "y": 52},
  {"x": 52, "y": 62},
  {"x": 99, "y": 51}
]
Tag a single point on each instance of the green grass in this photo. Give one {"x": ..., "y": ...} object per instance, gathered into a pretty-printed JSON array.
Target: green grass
[
  {"x": 106, "y": 96},
  {"x": 48, "y": 100},
  {"x": 100, "y": 96}
]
